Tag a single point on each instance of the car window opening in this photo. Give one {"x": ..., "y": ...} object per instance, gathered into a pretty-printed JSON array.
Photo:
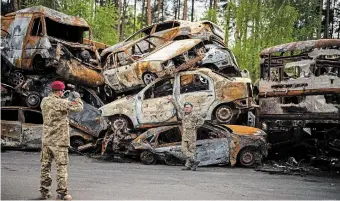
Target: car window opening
[
  {"x": 9, "y": 115},
  {"x": 33, "y": 117},
  {"x": 37, "y": 27},
  {"x": 192, "y": 83},
  {"x": 169, "y": 136},
  {"x": 64, "y": 31},
  {"x": 205, "y": 133},
  {"x": 160, "y": 89}
]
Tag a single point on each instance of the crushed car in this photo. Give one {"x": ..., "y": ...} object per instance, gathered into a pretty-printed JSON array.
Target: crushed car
[
  {"x": 219, "y": 98},
  {"x": 22, "y": 127},
  {"x": 206, "y": 31},
  {"x": 126, "y": 73},
  {"x": 216, "y": 144},
  {"x": 299, "y": 96},
  {"x": 39, "y": 40}
]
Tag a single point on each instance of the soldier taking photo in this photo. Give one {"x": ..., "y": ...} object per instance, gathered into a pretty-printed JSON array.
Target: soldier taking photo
[
  {"x": 190, "y": 122},
  {"x": 56, "y": 139}
]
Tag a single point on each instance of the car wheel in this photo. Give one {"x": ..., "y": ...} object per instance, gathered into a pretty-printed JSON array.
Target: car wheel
[
  {"x": 119, "y": 123},
  {"x": 32, "y": 100},
  {"x": 147, "y": 158},
  {"x": 17, "y": 78},
  {"x": 39, "y": 65},
  {"x": 148, "y": 78},
  {"x": 224, "y": 114},
  {"x": 247, "y": 157},
  {"x": 77, "y": 142}
]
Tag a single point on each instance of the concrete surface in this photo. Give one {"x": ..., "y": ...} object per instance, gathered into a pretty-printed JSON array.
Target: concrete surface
[{"x": 91, "y": 179}]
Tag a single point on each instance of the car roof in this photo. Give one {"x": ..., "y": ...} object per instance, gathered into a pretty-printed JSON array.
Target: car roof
[{"x": 174, "y": 49}]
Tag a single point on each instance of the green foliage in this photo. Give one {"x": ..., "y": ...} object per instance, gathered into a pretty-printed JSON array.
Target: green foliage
[{"x": 211, "y": 15}]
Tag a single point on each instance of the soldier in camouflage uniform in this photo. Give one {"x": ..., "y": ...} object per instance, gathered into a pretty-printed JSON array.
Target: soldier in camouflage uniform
[
  {"x": 56, "y": 139},
  {"x": 190, "y": 122}
]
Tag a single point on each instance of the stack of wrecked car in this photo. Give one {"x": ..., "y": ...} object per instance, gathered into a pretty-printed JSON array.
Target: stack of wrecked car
[{"x": 299, "y": 96}]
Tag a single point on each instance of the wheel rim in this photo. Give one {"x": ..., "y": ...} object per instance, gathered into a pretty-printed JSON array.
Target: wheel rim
[
  {"x": 33, "y": 100},
  {"x": 147, "y": 157},
  {"x": 108, "y": 91},
  {"x": 119, "y": 123},
  {"x": 224, "y": 113},
  {"x": 18, "y": 78},
  {"x": 148, "y": 78},
  {"x": 247, "y": 158}
]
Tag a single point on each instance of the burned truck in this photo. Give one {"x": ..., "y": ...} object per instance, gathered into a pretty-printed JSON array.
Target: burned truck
[
  {"x": 39, "y": 40},
  {"x": 299, "y": 96}
]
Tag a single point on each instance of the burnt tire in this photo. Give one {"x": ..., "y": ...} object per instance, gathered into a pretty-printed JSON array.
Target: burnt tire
[
  {"x": 247, "y": 157},
  {"x": 148, "y": 158},
  {"x": 224, "y": 114},
  {"x": 33, "y": 100},
  {"x": 119, "y": 123},
  {"x": 77, "y": 142},
  {"x": 39, "y": 65},
  {"x": 149, "y": 77},
  {"x": 17, "y": 78}
]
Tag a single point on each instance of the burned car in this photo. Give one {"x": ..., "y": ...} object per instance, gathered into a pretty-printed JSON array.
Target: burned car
[
  {"x": 221, "y": 99},
  {"x": 129, "y": 69},
  {"x": 207, "y": 31},
  {"x": 299, "y": 95},
  {"x": 216, "y": 144},
  {"x": 40, "y": 40},
  {"x": 22, "y": 127}
]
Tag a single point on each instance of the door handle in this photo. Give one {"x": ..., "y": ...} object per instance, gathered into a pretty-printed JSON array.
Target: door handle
[{"x": 210, "y": 95}]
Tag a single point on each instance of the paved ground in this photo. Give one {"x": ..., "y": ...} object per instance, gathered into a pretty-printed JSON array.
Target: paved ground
[{"x": 92, "y": 179}]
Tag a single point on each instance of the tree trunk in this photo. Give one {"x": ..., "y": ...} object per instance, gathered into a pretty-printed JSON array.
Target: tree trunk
[
  {"x": 119, "y": 7},
  {"x": 320, "y": 19},
  {"x": 215, "y": 4},
  {"x": 16, "y": 5},
  {"x": 185, "y": 10},
  {"x": 179, "y": 9},
  {"x": 134, "y": 16},
  {"x": 162, "y": 11},
  {"x": 149, "y": 12},
  {"x": 192, "y": 9},
  {"x": 159, "y": 10},
  {"x": 122, "y": 29},
  {"x": 210, "y": 4},
  {"x": 175, "y": 8},
  {"x": 326, "y": 31},
  {"x": 143, "y": 10}
]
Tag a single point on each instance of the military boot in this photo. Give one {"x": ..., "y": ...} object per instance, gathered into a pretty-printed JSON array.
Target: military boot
[
  {"x": 45, "y": 196},
  {"x": 64, "y": 197},
  {"x": 194, "y": 165},
  {"x": 186, "y": 168}
]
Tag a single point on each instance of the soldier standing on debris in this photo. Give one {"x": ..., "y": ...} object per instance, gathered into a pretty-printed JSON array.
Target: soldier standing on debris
[
  {"x": 56, "y": 139},
  {"x": 190, "y": 122}
]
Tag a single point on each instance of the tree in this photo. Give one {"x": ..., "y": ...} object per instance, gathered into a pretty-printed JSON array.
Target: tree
[
  {"x": 192, "y": 9},
  {"x": 185, "y": 10},
  {"x": 148, "y": 5}
]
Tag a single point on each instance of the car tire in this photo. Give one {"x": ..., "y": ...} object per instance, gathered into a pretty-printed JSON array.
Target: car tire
[
  {"x": 77, "y": 142},
  {"x": 147, "y": 158},
  {"x": 33, "y": 100},
  {"x": 39, "y": 65},
  {"x": 247, "y": 157},
  {"x": 149, "y": 77},
  {"x": 119, "y": 123},
  {"x": 224, "y": 114},
  {"x": 17, "y": 78}
]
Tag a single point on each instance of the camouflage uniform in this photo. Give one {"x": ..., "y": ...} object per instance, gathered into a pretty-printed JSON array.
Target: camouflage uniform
[
  {"x": 190, "y": 122},
  {"x": 56, "y": 140}
]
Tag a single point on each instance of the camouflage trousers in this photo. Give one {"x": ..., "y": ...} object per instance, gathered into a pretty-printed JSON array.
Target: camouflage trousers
[
  {"x": 60, "y": 155},
  {"x": 188, "y": 150}
]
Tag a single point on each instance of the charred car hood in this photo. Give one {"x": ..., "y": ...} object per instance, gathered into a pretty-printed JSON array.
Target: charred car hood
[{"x": 124, "y": 106}]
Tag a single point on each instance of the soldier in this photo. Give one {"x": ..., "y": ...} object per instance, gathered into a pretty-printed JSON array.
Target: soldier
[
  {"x": 190, "y": 123},
  {"x": 56, "y": 139}
]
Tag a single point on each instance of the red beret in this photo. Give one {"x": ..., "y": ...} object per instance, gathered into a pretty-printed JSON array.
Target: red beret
[{"x": 58, "y": 85}]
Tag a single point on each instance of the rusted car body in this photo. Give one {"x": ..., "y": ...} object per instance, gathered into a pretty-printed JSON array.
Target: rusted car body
[
  {"x": 207, "y": 31},
  {"x": 38, "y": 39},
  {"x": 220, "y": 99},
  {"x": 132, "y": 69},
  {"x": 216, "y": 144},
  {"x": 99, "y": 46},
  {"x": 299, "y": 94},
  {"x": 23, "y": 127}
]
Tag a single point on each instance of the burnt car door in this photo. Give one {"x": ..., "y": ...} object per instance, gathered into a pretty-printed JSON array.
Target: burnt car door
[
  {"x": 212, "y": 146},
  {"x": 32, "y": 128},
  {"x": 167, "y": 30},
  {"x": 196, "y": 88},
  {"x": 32, "y": 42},
  {"x": 168, "y": 142},
  {"x": 16, "y": 40},
  {"x": 10, "y": 128},
  {"x": 152, "y": 103}
]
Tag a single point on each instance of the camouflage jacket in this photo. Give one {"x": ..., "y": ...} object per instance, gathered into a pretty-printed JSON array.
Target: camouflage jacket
[
  {"x": 56, "y": 124},
  {"x": 190, "y": 122}
]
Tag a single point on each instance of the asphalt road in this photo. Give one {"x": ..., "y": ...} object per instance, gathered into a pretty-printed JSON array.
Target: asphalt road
[{"x": 92, "y": 179}]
